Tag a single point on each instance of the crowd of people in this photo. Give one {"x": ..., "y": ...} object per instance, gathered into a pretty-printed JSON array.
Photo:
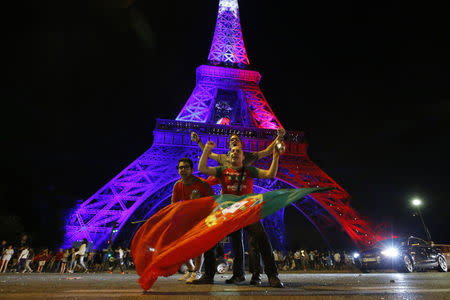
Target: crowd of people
[
  {"x": 314, "y": 260},
  {"x": 22, "y": 258}
]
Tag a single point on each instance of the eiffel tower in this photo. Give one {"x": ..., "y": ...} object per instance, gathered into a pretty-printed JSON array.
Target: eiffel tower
[{"x": 226, "y": 100}]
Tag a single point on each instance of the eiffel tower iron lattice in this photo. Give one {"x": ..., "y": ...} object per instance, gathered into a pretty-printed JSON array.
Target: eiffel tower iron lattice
[{"x": 226, "y": 99}]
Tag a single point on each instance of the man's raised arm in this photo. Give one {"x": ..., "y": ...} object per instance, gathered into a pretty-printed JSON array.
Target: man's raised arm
[
  {"x": 272, "y": 172},
  {"x": 196, "y": 138},
  {"x": 202, "y": 164},
  {"x": 269, "y": 150}
]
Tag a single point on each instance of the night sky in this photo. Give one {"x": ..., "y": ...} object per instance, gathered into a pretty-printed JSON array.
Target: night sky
[{"x": 368, "y": 83}]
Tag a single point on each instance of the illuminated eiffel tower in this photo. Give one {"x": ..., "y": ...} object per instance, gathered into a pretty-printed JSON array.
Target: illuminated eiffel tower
[{"x": 226, "y": 99}]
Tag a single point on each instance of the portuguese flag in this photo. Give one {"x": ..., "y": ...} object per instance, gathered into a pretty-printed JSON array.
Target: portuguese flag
[{"x": 187, "y": 229}]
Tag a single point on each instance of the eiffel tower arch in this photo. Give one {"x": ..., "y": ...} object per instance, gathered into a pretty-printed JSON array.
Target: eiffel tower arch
[{"x": 226, "y": 100}]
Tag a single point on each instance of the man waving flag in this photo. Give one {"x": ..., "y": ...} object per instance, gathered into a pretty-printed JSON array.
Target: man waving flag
[{"x": 187, "y": 229}]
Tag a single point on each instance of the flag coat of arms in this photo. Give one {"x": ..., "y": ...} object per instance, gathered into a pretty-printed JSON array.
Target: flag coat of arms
[{"x": 187, "y": 229}]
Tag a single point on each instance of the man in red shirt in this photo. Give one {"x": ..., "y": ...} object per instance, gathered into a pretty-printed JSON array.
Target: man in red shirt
[
  {"x": 187, "y": 188},
  {"x": 237, "y": 179}
]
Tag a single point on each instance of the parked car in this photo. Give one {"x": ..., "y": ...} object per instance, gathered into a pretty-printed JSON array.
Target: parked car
[{"x": 402, "y": 254}]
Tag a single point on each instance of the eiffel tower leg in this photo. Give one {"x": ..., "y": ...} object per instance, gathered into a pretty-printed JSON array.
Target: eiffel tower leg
[
  {"x": 330, "y": 208},
  {"x": 119, "y": 198}
]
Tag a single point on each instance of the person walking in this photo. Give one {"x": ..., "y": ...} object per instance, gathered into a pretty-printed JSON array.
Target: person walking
[
  {"x": 73, "y": 260},
  {"x": 22, "y": 260},
  {"x": 58, "y": 260},
  {"x": 90, "y": 259},
  {"x": 297, "y": 258},
  {"x": 118, "y": 261},
  {"x": 29, "y": 260},
  {"x": 81, "y": 254},
  {"x": 42, "y": 259},
  {"x": 6, "y": 257},
  {"x": 64, "y": 261},
  {"x": 3, "y": 247},
  {"x": 337, "y": 260},
  {"x": 127, "y": 258}
]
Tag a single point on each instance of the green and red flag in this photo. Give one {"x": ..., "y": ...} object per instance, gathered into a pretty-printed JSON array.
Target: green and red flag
[{"x": 187, "y": 229}]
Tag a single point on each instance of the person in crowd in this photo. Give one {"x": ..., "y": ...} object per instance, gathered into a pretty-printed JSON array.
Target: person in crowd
[
  {"x": 29, "y": 260},
  {"x": 297, "y": 259},
  {"x": 6, "y": 257},
  {"x": 311, "y": 259},
  {"x": 64, "y": 261},
  {"x": 49, "y": 262},
  {"x": 329, "y": 263},
  {"x": 98, "y": 261},
  {"x": 346, "y": 260},
  {"x": 127, "y": 258},
  {"x": 73, "y": 260},
  {"x": 81, "y": 253},
  {"x": 108, "y": 258},
  {"x": 3, "y": 247},
  {"x": 90, "y": 259},
  {"x": 237, "y": 179},
  {"x": 275, "y": 257},
  {"x": 191, "y": 187},
  {"x": 42, "y": 258},
  {"x": 118, "y": 261},
  {"x": 337, "y": 260},
  {"x": 323, "y": 261},
  {"x": 22, "y": 259},
  {"x": 58, "y": 260},
  {"x": 23, "y": 241},
  {"x": 304, "y": 260},
  {"x": 290, "y": 264}
]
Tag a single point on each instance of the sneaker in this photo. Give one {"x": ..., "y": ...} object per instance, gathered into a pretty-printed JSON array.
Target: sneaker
[
  {"x": 203, "y": 280},
  {"x": 194, "y": 276},
  {"x": 109, "y": 271},
  {"x": 274, "y": 281},
  {"x": 122, "y": 273},
  {"x": 235, "y": 280},
  {"x": 185, "y": 276}
]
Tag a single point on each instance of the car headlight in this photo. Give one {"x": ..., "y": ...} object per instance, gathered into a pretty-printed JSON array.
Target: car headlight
[
  {"x": 355, "y": 255},
  {"x": 390, "y": 252}
]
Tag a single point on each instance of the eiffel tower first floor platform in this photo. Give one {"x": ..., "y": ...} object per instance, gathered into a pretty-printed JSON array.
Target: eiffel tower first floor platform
[{"x": 145, "y": 186}]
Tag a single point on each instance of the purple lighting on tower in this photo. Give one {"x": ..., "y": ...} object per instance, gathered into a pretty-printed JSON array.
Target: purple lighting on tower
[
  {"x": 237, "y": 90},
  {"x": 228, "y": 45},
  {"x": 223, "y": 93}
]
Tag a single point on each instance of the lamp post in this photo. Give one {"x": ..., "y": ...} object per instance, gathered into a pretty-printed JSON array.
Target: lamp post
[{"x": 417, "y": 203}]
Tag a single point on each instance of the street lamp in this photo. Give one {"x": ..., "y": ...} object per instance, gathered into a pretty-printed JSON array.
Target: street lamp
[{"x": 417, "y": 203}]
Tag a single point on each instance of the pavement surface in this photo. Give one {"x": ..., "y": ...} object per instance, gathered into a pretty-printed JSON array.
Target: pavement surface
[{"x": 425, "y": 285}]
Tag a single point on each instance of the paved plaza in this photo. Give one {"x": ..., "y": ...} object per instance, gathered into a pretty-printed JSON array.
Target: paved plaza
[{"x": 426, "y": 285}]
